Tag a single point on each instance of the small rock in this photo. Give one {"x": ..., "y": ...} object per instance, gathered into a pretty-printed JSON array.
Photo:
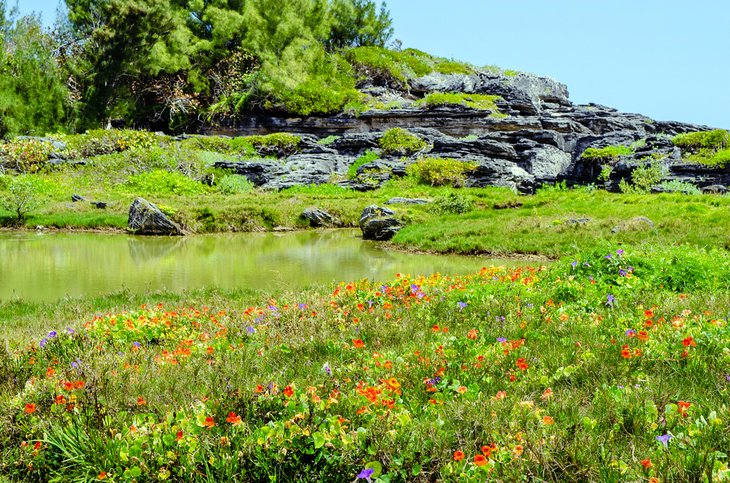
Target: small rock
[
  {"x": 378, "y": 223},
  {"x": 577, "y": 221},
  {"x": 75, "y": 198},
  {"x": 407, "y": 201},
  {"x": 637, "y": 223},
  {"x": 99, "y": 204},
  {"x": 147, "y": 219},
  {"x": 715, "y": 189},
  {"x": 318, "y": 217}
]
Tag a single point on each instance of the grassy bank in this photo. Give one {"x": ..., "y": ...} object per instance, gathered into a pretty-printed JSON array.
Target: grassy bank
[{"x": 613, "y": 366}]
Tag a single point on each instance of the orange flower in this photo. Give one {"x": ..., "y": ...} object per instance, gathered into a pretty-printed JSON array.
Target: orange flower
[
  {"x": 179, "y": 436},
  {"x": 653, "y": 479},
  {"x": 288, "y": 391},
  {"x": 472, "y": 334},
  {"x": 626, "y": 352},
  {"x": 78, "y": 384},
  {"x": 259, "y": 388},
  {"x": 518, "y": 450},
  {"x": 522, "y": 364},
  {"x": 547, "y": 420},
  {"x": 60, "y": 400},
  {"x": 30, "y": 408},
  {"x": 682, "y": 407},
  {"x": 480, "y": 460},
  {"x": 643, "y": 335},
  {"x": 646, "y": 463},
  {"x": 547, "y": 394},
  {"x": 392, "y": 384},
  {"x": 358, "y": 343},
  {"x": 234, "y": 419},
  {"x": 50, "y": 372},
  {"x": 458, "y": 455},
  {"x": 462, "y": 389},
  {"x": 689, "y": 342},
  {"x": 500, "y": 395},
  {"x": 68, "y": 385},
  {"x": 141, "y": 401},
  {"x": 209, "y": 422},
  {"x": 102, "y": 475}
]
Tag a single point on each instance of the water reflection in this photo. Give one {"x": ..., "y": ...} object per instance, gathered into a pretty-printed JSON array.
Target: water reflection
[{"x": 44, "y": 267}]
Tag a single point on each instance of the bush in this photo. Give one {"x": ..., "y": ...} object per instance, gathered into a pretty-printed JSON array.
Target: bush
[
  {"x": 452, "y": 204},
  {"x": 277, "y": 144},
  {"x": 25, "y": 155},
  {"x": 609, "y": 154},
  {"x": 401, "y": 142},
  {"x": 162, "y": 182},
  {"x": 481, "y": 102},
  {"x": 368, "y": 157},
  {"x": 389, "y": 67},
  {"x": 440, "y": 171},
  {"x": 108, "y": 141},
  {"x": 643, "y": 178},
  {"x": 680, "y": 187},
  {"x": 695, "y": 141},
  {"x": 234, "y": 184},
  {"x": 448, "y": 66},
  {"x": 21, "y": 197}
]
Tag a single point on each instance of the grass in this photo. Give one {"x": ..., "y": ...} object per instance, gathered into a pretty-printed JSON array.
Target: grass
[
  {"x": 709, "y": 148},
  {"x": 607, "y": 154},
  {"x": 480, "y": 102},
  {"x": 583, "y": 370}
]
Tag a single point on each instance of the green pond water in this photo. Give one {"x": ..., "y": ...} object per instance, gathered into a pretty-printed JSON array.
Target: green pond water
[{"x": 47, "y": 267}]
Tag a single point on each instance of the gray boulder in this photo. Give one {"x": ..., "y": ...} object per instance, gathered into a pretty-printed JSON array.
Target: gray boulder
[
  {"x": 379, "y": 223},
  {"x": 637, "y": 223},
  {"x": 147, "y": 219},
  {"x": 406, "y": 201},
  {"x": 318, "y": 217}
]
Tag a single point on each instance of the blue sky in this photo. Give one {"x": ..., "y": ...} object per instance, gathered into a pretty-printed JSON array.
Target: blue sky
[{"x": 668, "y": 59}]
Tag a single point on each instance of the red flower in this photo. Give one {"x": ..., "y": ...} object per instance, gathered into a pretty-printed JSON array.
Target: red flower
[
  {"x": 480, "y": 460},
  {"x": 288, "y": 391},
  {"x": 458, "y": 455},
  {"x": 209, "y": 422},
  {"x": 30, "y": 408},
  {"x": 689, "y": 342},
  {"x": 234, "y": 419},
  {"x": 179, "y": 436},
  {"x": 646, "y": 463},
  {"x": 141, "y": 401},
  {"x": 522, "y": 364},
  {"x": 358, "y": 343},
  {"x": 682, "y": 407}
]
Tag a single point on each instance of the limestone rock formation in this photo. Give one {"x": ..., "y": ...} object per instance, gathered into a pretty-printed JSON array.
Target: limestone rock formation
[
  {"x": 378, "y": 223},
  {"x": 147, "y": 219},
  {"x": 318, "y": 217}
]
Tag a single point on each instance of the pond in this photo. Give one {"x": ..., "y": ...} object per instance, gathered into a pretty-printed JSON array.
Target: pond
[{"x": 48, "y": 266}]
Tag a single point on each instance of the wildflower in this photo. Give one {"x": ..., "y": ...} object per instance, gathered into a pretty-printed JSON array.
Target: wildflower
[
  {"x": 234, "y": 419},
  {"x": 102, "y": 475},
  {"x": 664, "y": 439},
  {"x": 179, "y": 436},
  {"x": 358, "y": 343},
  {"x": 30, "y": 408},
  {"x": 630, "y": 333},
  {"x": 547, "y": 394},
  {"x": 689, "y": 342},
  {"x": 59, "y": 400},
  {"x": 366, "y": 474},
  {"x": 480, "y": 460},
  {"x": 326, "y": 368},
  {"x": 643, "y": 335},
  {"x": 619, "y": 252},
  {"x": 574, "y": 264},
  {"x": 522, "y": 364},
  {"x": 518, "y": 450},
  {"x": 501, "y": 340},
  {"x": 462, "y": 390},
  {"x": 682, "y": 407},
  {"x": 625, "y": 352},
  {"x": 500, "y": 395},
  {"x": 209, "y": 422},
  {"x": 43, "y": 343},
  {"x": 653, "y": 479},
  {"x": 646, "y": 463},
  {"x": 610, "y": 300},
  {"x": 288, "y": 391},
  {"x": 392, "y": 384},
  {"x": 472, "y": 334},
  {"x": 548, "y": 420},
  {"x": 141, "y": 401},
  {"x": 458, "y": 455},
  {"x": 462, "y": 305},
  {"x": 52, "y": 334}
]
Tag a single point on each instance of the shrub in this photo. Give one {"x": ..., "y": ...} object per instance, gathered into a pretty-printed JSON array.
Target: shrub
[
  {"x": 25, "y": 155},
  {"x": 213, "y": 144},
  {"x": 107, "y": 141},
  {"x": 609, "y": 154},
  {"x": 401, "y": 142},
  {"x": 162, "y": 182},
  {"x": 643, "y": 178},
  {"x": 695, "y": 141},
  {"x": 389, "y": 67},
  {"x": 277, "y": 144},
  {"x": 452, "y": 204},
  {"x": 368, "y": 157},
  {"x": 440, "y": 171},
  {"x": 675, "y": 186},
  {"x": 22, "y": 196},
  {"x": 448, "y": 66},
  {"x": 481, "y": 102},
  {"x": 234, "y": 184}
]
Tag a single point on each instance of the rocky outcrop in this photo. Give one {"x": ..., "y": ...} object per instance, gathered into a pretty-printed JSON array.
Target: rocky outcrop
[
  {"x": 379, "y": 223},
  {"x": 147, "y": 219},
  {"x": 317, "y": 217}
]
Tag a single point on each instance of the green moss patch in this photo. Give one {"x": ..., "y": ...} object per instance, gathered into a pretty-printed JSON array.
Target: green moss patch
[
  {"x": 402, "y": 142},
  {"x": 481, "y": 102}
]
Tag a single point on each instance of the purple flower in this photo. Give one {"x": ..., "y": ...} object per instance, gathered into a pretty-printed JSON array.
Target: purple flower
[
  {"x": 366, "y": 474},
  {"x": 664, "y": 439},
  {"x": 52, "y": 334},
  {"x": 501, "y": 340},
  {"x": 574, "y": 264},
  {"x": 302, "y": 306},
  {"x": 608, "y": 257},
  {"x": 75, "y": 364},
  {"x": 619, "y": 252},
  {"x": 727, "y": 376},
  {"x": 70, "y": 331},
  {"x": 272, "y": 308},
  {"x": 414, "y": 288},
  {"x": 630, "y": 333},
  {"x": 622, "y": 273},
  {"x": 327, "y": 369},
  {"x": 462, "y": 305},
  {"x": 250, "y": 330},
  {"x": 43, "y": 343},
  {"x": 136, "y": 344},
  {"x": 609, "y": 300}
]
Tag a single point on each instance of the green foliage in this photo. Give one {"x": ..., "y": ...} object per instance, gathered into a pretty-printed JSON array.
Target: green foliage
[
  {"x": 326, "y": 190},
  {"x": 481, "y": 102},
  {"x": 450, "y": 66},
  {"x": 33, "y": 95},
  {"x": 107, "y": 141},
  {"x": 696, "y": 141},
  {"x": 643, "y": 178},
  {"x": 609, "y": 154},
  {"x": 401, "y": 142},
  {"x": 356, "y": 23},
  {"x": 278, "y": 144},
  {"x": 440, "y": 171},
  {"x": 326, "y": 141},
  {"x": 21, "y": 196},
  {"x": 389, "y": 67},
  {"x": 234, "y": 184},
  {"x": 452, "y": 204},
  {"x": 25, "y": 155},
  {"x": 605, "y": 174},
  {"x": 368, "y": 157},
  {"x": 160, "y": 182},
  {"x": 675, "y": 186}
]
